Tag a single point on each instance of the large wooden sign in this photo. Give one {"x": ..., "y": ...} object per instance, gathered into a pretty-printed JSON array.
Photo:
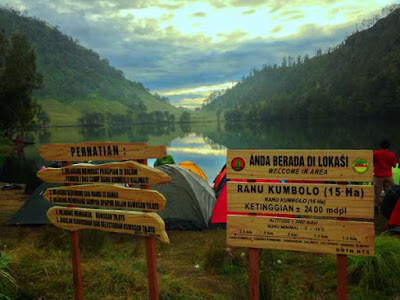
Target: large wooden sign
[
  {"x": 329, "y": 200},
  {"x": 119, "y": 172},
  {"x": 106, "y": 196},
  {"x": 137, "y": 223},
  {"x": 101, "y": 151},
  {"x": 320, "y": 165},
  {"x": 312, "y": 235}
]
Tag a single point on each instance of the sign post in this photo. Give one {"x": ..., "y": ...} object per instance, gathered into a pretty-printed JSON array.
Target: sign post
[
  {"x": 293, "y": 202},
  {"x": 75, "y": 257},
  {"x": 254, "y": 279},
  {"x": 98, "y": 190},
  {"x": 151, "y": 258}
]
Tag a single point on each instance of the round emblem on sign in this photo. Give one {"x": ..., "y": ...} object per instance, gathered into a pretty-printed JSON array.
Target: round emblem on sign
[
  {"x": 360, "y": 165},
  {"x": 237, "y": 164}
]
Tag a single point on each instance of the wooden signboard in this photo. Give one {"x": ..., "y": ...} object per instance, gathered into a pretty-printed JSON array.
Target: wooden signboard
[
  {"x": 312, "y": 235},
  {"x": 329, "y": 200},
  {"x": 112, "y": 173},
  {"x": 106, "y": 196},
  {"x": 137, "y": 223},
  {"x": 101, "y": 151},
  {"x": 320, "y": 165}
]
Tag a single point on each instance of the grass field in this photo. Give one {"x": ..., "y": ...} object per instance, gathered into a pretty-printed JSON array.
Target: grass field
[
  {"x": 196, "y": 265},
  {"x": 67, "y": 114}
]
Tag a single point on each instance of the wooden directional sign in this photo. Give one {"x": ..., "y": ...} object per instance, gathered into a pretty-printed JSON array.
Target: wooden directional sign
[
  {"x": 125, "y": 172},
  {"x": 311, "y": 235},
  {"x": 321, "y": 165},
  {"x": 137, "y": 223},
  {"x": 329, "y": 200},
  {"x": 106, "y": 196},
  {"x": 101, "y": 151}
]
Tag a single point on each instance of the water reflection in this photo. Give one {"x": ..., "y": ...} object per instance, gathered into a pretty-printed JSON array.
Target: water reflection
[{"x": 206, "y": 143}]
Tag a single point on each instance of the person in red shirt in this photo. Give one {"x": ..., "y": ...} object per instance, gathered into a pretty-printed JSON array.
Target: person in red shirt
[{"x": 384, "y": 160}]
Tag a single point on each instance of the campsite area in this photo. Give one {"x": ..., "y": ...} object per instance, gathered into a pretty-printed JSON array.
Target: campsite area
[{"x": 196, "y": 265}]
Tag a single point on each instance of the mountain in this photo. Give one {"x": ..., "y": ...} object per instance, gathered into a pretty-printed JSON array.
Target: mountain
[
  {"x": 358, "y": 78},
  {"x": 77, "y": 79}
]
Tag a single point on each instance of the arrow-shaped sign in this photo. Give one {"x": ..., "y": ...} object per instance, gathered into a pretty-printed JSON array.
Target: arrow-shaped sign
[
  {"x": 106, "y": 196},
  {"x": 111, "y": 173},
  {"x": 136, "y": 223}
]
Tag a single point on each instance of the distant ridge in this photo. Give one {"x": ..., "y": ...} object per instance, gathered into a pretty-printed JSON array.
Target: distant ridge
[
  {"x": 358, "y": 78},
  {"x": 73, "y": 74}
]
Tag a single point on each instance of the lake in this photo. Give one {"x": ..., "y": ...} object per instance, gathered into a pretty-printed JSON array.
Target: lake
[{"x": 206, "y": 143}]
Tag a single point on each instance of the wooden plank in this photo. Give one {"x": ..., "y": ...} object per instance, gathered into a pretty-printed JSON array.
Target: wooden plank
[
  {"x": 310, "y": 235},
  {"x": 136, "y": 223},
  {"x": 254, "y": 278},
  {"x": 111, "y": 173},
  {"x": 321, "y": 165},
  {"x": 329, "y": 200},
  {"x": 76, "y": 265},
  {"x": 100, "y": 151},
  {"x": 106, "y": 196},
  {"x": 75, "y": 255}
]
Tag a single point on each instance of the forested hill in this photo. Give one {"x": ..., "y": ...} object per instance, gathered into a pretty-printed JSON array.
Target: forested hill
[
  {"x": 358, "y": 78},
  {"x": 73, "y": 73}
]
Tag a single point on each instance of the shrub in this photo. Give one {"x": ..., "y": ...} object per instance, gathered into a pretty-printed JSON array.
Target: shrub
[
  {"x": 8, "y": 285},
  {"x": 379, "y": 272}
]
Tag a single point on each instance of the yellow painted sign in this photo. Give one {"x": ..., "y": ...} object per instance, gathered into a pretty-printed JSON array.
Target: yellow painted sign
[
  {"x": 136, "y": 223},
  {"x": 101, "y": 151},
  {"x": 320, "y": 165},
  {"x": 119, "y": 172},
  {"x": 106, "y": 196},
  {"x": 310, "y": 235},
  {"x": 328, "y": 200}
]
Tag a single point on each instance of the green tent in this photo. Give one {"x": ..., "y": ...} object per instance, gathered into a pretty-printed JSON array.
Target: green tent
[
  {"x": 33, "y": 212},
  {"x": 396, "y": 175},
  {"x": 190, "y": 200}
]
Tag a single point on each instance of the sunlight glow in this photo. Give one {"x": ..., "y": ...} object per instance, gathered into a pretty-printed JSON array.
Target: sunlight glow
[{"x": 203, "y": 90}]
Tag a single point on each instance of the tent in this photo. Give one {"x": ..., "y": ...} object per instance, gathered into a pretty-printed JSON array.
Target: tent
[
  {"x": 33, "y": 212},
  {"x": 396, "y": 174},
  {"x": 189, "y": 165},
  {"x": 218, "y": 216},
  {"x": 190, "y": 200}
]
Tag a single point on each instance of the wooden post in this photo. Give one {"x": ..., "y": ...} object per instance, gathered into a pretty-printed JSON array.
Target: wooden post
[
  {"x": 254, "y": 286},
  {"x": 151, "y": 258},
  {"x": 341, "y": 274},
  {"x": 75, "y": 257},
  {"x": 341, "y": 271}
]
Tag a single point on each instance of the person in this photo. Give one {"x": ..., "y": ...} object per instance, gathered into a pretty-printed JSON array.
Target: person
[{"x": 384, "y": 160}]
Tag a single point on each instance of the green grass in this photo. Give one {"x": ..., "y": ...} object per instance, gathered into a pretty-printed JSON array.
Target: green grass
[
  {"x": 67, "y": 114},
  {"x": 8, "y": 285},
  {"x": 194, "y": 266},
  {"x": 379, "y": 272}
]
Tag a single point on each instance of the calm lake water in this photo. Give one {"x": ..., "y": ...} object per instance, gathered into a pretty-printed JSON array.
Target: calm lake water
[{"x": 206, "y": 143}]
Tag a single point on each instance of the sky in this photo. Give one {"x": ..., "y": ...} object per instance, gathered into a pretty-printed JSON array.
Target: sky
[{"x": 186, "y": 49}]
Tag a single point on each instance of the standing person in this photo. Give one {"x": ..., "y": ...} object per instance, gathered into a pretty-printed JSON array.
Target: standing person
[{"x": 384, "y": 160}]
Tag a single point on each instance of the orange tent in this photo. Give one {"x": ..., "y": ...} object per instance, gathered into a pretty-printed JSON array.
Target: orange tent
[{"x": 189, "y": 165}]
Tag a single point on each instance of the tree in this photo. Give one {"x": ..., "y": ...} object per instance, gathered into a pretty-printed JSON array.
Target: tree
[
  {"x": 185, "y": 117},
  {"x": 18, "y": 79},
  {"x": 43, "y": 118}
]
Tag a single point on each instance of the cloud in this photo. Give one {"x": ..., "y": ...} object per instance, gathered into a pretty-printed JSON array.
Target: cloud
[
  {"x": 249, "y": 12},
  {"x": 295, "y": 17},
  {"x": 247, "y": 3},
  {"x": 276, "y": 29},
  {"x": 138, "y": 38},
  {"x": 199, "y": 14}
]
